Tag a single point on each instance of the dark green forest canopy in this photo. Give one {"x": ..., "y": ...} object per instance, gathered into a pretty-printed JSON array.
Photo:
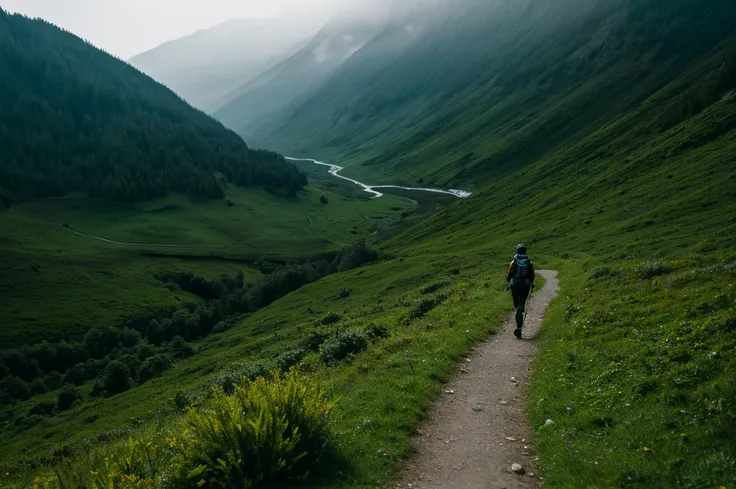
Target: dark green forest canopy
[{"x": 75, "y": 119}]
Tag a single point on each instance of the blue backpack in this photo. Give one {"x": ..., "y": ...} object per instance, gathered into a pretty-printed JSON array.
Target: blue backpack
[{"x": 523, "y": 266}]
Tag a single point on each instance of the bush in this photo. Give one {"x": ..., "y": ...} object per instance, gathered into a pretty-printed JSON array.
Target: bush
[
  {"x": 219, "y": 328},
  {"x": 377, "y": 331},
  {"x": 602, "y": 272},
  {"x": 154, "y": 366},
  {"x": 67, "y": 397},
  {"x": 654, "y": 269},
  {"x": 287, "y": 359},
  {"x": 329, "y": 318},
  {"x": 424, "y": 305},
  {"x": 267, "y": 431},
  {"x": 130, "y": 337},
  {"x": 346, "y": 343},
  {"x": 117, "y": 378},
  {"x": 44, "y": 408},
  {"x": 343, "y": 294},
  {"x": 180, "y": 348},
  {"x": 228, "y": 378},
  {"x": 75, "y": 375},
  {"x": 315, "y": 339},
  {"x": 38, "y": 387},
  {"x": 17, "y": 388},
  {"x": 53, "y": 380}
]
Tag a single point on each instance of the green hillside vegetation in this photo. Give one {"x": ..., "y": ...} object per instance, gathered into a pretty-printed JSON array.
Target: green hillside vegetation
[
  {"x": 75, "y": 119},
  {"x": 451, "y": 115},
  {"x": 626, "y": 188},
  {"x": 78, "y": 282}
]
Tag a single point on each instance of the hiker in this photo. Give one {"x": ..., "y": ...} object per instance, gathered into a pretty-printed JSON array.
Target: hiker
[{"x": 520, "y": 276}]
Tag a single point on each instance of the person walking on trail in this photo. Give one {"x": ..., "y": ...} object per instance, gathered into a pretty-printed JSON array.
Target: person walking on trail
[{"x": 520, "y": 276}]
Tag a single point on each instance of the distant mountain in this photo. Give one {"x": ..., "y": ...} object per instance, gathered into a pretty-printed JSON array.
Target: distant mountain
[
  {"x": 259, "y": 100},
  {"x": 75, "y": 119},
  {"x": 207, "y": 65}
]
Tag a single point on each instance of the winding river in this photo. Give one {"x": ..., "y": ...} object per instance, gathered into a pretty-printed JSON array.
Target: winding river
[{"x": 371, "y": 189}]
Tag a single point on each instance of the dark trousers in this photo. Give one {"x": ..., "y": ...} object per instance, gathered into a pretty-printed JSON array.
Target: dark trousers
[{"x": 520, "y": 293}]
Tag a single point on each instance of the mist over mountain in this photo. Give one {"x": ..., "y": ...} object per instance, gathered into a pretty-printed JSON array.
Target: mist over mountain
[
  {"x": 207, "y": 65},
  {"x": 279, "y": 87},
  {"x": 438, "y": 84}
]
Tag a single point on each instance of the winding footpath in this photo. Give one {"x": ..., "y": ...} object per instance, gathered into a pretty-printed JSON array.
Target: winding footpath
[
  {"x": 371, "y": 189},
  {"x": 478, "y": 428}
]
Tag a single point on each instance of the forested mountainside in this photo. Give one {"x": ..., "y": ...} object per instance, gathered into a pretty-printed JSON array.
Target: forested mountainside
[{"x": 75, "y": 119}]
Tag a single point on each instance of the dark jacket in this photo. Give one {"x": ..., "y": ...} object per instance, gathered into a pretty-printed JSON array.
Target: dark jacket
[{"x": 511, "y": 271}]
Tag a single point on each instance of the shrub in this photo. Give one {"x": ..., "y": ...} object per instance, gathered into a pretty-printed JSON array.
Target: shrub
[
  {"x": 130, "y": 337},
  {"x": 219, "y": 328},
  {"x": 228, "y": 378},
  {"x": 43, "y": 408},
  {"x": 377, "y": 331},
  {"x": 38, "y": 387},
  {"x": 346, "y": 343},
  {"x": 602, "y": 272},
  {"x": 424, "y": 305},
  {"x": 654, "y": 269},
  {"x": 53, "y": 380},
  {"x": 180, "y": 348},
  {"x": 329, "y": 318},
  {"x": 117, "y": 378},
  {"x": 67, "y": 397},
  {"x": 343, "y": 294},
  {"x": 17, "y": 388},
  {"x": 287, "y": 359},
  {"x": 315, "y": 339},
  {"x": 154, "y": 366},
  {"x": 267, "y": 431},
  {"x": 145, "y": 350},
  {"x": 75, "y": 375}
]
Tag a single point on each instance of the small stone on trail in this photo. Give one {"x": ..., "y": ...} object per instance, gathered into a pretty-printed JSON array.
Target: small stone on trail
[
  {"x": 513, "y": 379},
  {"x": 477, "y": 409},
  {"x": 464, "y": 370},
  {"x": 503, "y": 403},
  {"x": 449, "y": 391},
  {"x": 510, "y": 438},
  {"x": 549, "y": 422},
  {"x": 518, "y": 469}
]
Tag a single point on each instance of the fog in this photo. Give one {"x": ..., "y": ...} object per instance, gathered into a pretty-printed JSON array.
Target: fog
[{"x": 128, "y": 27}]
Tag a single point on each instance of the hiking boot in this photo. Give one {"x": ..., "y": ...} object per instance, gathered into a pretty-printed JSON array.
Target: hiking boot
[{"x": 517, "y": 333}]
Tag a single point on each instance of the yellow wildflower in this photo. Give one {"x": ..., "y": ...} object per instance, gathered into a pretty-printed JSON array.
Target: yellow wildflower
[{"x": 647, "y": 449}]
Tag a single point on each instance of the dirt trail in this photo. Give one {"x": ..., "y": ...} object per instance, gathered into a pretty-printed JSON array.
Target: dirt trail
[{"x": 478, "y": 428}]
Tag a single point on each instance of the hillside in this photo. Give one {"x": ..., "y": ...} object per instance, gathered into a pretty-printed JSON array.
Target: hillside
[
  {"x": 75, "y": 119},
  {"x": 278, "y": 88},
  {"x": 608, "y": 148},
  {"x": 448, "y": 110},
  {"x": 206, "y": 66}
]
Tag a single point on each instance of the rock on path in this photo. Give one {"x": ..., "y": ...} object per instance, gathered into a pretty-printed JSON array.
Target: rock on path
[{"x": 472, "y": 437}]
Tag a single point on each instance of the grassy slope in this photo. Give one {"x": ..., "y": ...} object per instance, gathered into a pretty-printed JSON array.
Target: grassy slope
[
  {"x": 446, "y": 113},
  {"x": 80, "y": 283},
  {"x": 637, "y": 351},
  {"x": 382, "y": 394},
  {"x": 654, "y": 185}
]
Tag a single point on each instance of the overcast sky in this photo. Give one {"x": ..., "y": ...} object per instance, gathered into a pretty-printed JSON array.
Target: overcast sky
[{"x": 128, "y": 27}]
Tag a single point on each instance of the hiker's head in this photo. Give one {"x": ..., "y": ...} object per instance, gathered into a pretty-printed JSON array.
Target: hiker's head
[{"x": 521, "y": 249}]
